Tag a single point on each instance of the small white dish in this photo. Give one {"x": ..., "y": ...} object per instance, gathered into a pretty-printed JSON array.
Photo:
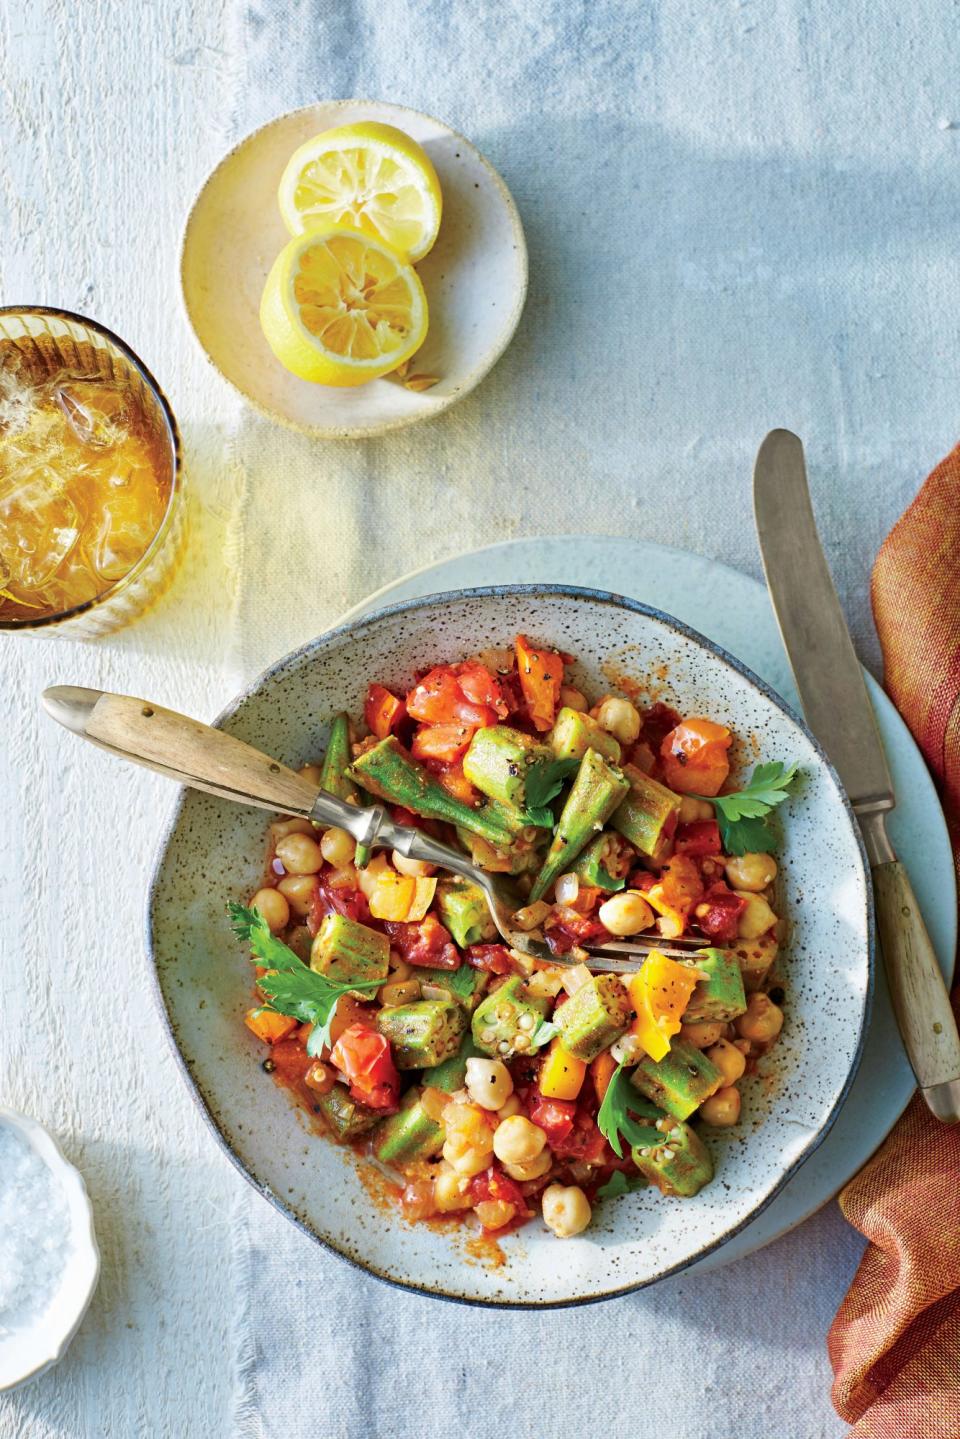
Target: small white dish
[
  {"x": 475, "y": 277},
  {"x": 30, "y": 1351}
]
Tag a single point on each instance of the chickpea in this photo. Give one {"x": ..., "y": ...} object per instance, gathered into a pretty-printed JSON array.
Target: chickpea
[
  {"x": 531, "y": 1169},
  {"x": 283, "y": 827},
  {"x": 450, "y": 1191},
  {"x": 625, "y": 913},
  {"x": 516, "y": 1140},
  {"x": 466, "y": 1159},
  {"x": 274, "y": 908},
  {"x": 730, "y": 1060},
  {"x": 299, "y": 854},
  {"x": 566, "y": 1210},
  {"x": 702, "y": 1033},
  {"x": 693, "y": 811},
  {"x": 338, "y": 847},
  {"x": 494, "y": 1213},
  {"x": 298, "y": 890},
  {"x": 311, "y": 772},
  {"x": 489, "y": 1083},
  {"x": 418, "y": 1200},
  {"x": 620, "y": 718},
  {"x": 466, "y": 1125},
  {"x": 722, "y": 1108},
  {"x": 762, "y": 1021},
  {"x": 752, "y": 872},
  {"x": 757, "y": 918},
  {"x": 573, "y": 699},
  {"x": 414, "y": 868}
]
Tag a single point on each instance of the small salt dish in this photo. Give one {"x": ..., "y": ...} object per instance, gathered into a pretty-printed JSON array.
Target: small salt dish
[{"x": 38, "y": 1321}]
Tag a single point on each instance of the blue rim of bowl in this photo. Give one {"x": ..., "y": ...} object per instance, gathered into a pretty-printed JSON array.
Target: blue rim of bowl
[{"x": 327, "y": 640}]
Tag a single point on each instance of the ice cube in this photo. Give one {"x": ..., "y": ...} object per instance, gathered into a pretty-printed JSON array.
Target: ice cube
[{"x": 95, "y": 412}]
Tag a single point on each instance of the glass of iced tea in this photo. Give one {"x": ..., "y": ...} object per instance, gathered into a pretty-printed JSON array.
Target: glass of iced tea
[{"x": 91, "y": 513}]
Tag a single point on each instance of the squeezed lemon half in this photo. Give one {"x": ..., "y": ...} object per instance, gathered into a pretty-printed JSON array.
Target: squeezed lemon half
[
  {"x": 340, "y": 308},
  {"x": 369, "y": 177}
]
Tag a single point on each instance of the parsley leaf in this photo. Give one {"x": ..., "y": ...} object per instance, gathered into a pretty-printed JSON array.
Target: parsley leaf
[
  {"x": 614, "y": 1121},
  {"x": 461, "y": 982},
  {"x": 742, "y": 816},
  {"x": 544, "y": 783},
  {"x": 620, "y": 1183},
  {"x": 290, "y": 986}
]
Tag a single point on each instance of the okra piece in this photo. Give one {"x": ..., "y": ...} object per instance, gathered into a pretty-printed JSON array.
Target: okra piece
[
  {"x": 574, "y": 733},
  {"x": 451, "y": 1074},
  {"x": 597, "y": 790},
  {"x": 681, "y": 1165},
  {"x": 345, "y": 1116},
  {"x": 603, "y": 854},
  {"x": 515, "y": 856},
  {"x": 349, "y": 952},
  {"x": 720, "y": 994},
  {"x": 333, "y": 776},
  {"x": 594, "y": 1017},
  {"x": 423, "y": 1033},
  {"x": 408, "y": 1134},
  {"x": 390, "y": 773},
  {"x": 463, "y": 909},
  {"x": 499, "y": 761},
  {"x": 680, "y": 1081},
  {"x": 645, "y": 811},
  {"x": 505, "y": 1022}
]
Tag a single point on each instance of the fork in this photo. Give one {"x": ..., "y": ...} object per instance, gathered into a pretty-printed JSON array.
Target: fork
[{"x": 208, "y": 759}]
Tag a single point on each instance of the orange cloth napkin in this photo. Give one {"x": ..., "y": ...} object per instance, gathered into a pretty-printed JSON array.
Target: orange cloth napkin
[{"x": 895, "y": 1342}]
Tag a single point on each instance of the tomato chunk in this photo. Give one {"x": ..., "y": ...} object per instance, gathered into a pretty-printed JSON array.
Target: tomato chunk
[
  {"x": 426, "y": 943},
  {"x": 698, "y": 839},
  {"x": 541, "y": 676},
  {"x": 555, "y": 1117},
  {"x": 494, "y": 958},
  {"x": 363, "y": 1055},
  {"x": 481, "y": 687},
  {"x": 439, "y": 699},
  {"x": 382, "y": 711},
  {"x": 722, "y": 910},
  {"x": 694, "y": 756},
  {"x": 444, "y": 742}
]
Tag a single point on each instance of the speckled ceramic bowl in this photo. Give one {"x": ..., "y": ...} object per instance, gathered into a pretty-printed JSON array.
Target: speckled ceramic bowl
[{"x": 213, "y": 851}]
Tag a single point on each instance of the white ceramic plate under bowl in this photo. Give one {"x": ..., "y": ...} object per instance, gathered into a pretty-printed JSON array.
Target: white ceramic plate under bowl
[
  {"x": 29, "y": 1350},
  {"x": 475, "y": 277},
  {"x": 213, "y": 852},
  {"x": 735, "y": 611}
]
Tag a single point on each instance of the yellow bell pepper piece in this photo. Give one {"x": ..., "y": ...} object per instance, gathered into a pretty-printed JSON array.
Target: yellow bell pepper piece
[
  {"x": 391, "y": 897},
  {"x": 269, "y": 1026},
  {"x": 672, "y": 922},
  {"x": 602, "y": 1071},
  {"x": 660, "y": 993},
  {"x": 562, "y": 1074}
]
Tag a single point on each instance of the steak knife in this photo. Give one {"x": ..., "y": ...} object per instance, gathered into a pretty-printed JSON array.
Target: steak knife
[{"x": 838, "y": 710}]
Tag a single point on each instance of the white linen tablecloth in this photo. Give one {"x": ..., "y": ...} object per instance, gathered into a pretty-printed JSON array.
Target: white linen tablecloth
[{"x": 740, "y": 215}]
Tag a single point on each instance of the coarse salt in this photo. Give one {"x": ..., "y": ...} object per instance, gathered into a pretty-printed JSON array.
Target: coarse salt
[{"x": 35, "y": 1236}]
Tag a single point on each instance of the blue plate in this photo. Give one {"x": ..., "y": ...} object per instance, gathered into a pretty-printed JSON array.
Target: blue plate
[{"x": 735, "y": 612}]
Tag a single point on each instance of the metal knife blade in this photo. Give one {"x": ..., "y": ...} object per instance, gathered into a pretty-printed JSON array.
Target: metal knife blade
[{"x": 815, "y": 635}]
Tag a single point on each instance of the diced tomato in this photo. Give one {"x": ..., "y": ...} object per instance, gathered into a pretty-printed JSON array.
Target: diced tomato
[
  {"x": 587, "y": 898},
  {"x": 722, "y": 914},
  {"x": 426, "y": 943},
  {"x": 481, "y": 687},
  {"x": 439, "y": 699},
  {"x": 555, "y": 1117},
  {"x": 641, "y": 879},
  {"x": 290, "y": 1061},
  {"x": 698, "y": 839},
  {"x": 658, "y": 721},
  {"x": 694, "y": 756},
  {"x": 492, "y": 1183},
  {"x": 364, "y": 1056},
  {"x": 563, "y": 931},
  {"x": 444, "y": 742},
  {"x": 541, "y": 677},
  {"x": 332, "y": 899},
  {"x": 382, "y": 711},
  {"x": 494, "y": 958},
  {"x": 584, "y": 1141}
]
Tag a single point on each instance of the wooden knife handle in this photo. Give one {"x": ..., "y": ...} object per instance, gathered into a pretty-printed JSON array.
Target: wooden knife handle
[{"x": 920, "y": 999}]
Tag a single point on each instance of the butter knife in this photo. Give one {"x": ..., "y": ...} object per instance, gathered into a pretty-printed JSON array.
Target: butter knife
[{"x": 838, "y": 710}]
